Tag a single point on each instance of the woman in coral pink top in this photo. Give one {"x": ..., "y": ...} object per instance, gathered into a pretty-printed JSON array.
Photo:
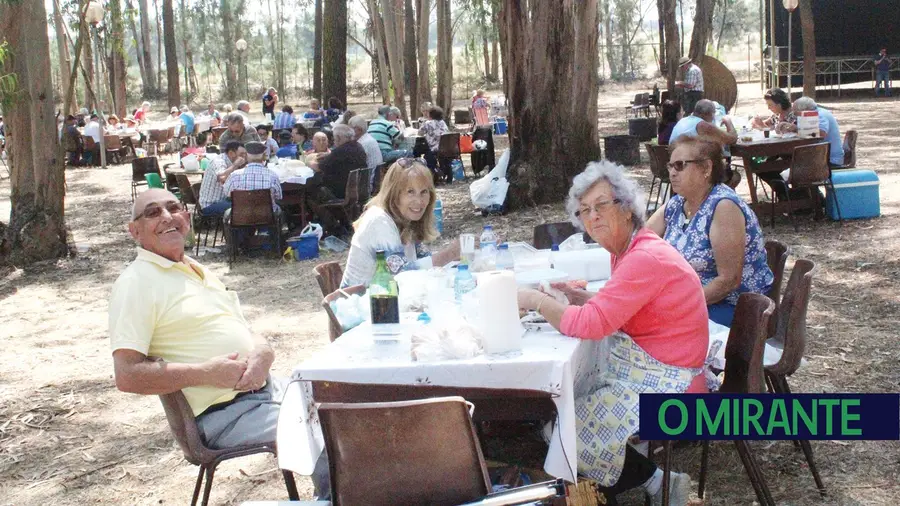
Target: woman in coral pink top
[{"x": 652, "y": 311}]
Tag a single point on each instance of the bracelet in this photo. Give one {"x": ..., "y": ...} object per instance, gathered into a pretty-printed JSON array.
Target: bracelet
[{"x": 541, "y": 303}]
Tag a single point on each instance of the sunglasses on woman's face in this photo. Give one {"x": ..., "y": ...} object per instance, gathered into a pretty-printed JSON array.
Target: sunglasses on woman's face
[
  {"x": 680, "y": 165},
  {"x": 154, "y": 211}
]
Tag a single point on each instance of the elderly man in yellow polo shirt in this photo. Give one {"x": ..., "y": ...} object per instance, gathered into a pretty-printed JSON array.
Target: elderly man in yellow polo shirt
[{"x": 174, "y": 326}]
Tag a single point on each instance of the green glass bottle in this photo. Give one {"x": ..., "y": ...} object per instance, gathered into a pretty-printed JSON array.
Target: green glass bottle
[{"x": 383, "y": 293}]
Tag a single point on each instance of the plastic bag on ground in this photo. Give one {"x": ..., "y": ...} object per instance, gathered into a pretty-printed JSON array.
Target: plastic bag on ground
[
  {"x": 313, "y": 228},
  {"x": 490, "y": 190}
]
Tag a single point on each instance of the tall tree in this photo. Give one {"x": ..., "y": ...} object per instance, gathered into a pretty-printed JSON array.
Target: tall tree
[
  {"x": 130, "y": 13},
  {"x": 334, "y": 51},
  {"x": 243, "y": 84},
  {"x": 380, "y": 51},
  {"x": 444, "y": 94},
  {"x": 228, "y": 40},
  {"x": 159, "y": 45},
  {"x": 317, "y": 52},
  {"x": 88, "y": 61},
  {"x": 808, "y": 33},
  {"x": 673, "y": 44},
  {"x": 393, "y": 29},
  {"x": 424, "y": 17},
  {"x": 62, "y": 48},
  {"x": 172, "y": 77},
  {"x": 495, "y": 51},
  {"x": 549, "y": 88},
  {"x": 36, "y": 229},
  {"x": 411, "y": 67},
  {"x": 116, "y": 65},
  {"x": 702, "y": 29},
  {"x": 661, "y": 22},
  {"x": 151, "y": 85}
]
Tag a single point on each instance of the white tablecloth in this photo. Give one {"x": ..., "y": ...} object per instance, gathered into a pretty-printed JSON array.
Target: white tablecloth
[{"x": 549, "y": 362}]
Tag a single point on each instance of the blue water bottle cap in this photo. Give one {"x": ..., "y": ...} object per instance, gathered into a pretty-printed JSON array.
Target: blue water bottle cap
[
  {"x": 504, "y": 246},
  {"x": 488, "y": 227},
  {"x": 554, "y": 247}
]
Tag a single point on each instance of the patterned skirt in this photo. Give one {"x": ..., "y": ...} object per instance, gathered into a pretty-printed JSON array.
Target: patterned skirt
[{"x": 609, "y": 415}]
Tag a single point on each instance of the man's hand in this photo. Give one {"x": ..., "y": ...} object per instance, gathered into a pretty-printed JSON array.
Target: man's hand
[
  {"x": 225, "y": 371},
  {"x": 257, "y": 369}
]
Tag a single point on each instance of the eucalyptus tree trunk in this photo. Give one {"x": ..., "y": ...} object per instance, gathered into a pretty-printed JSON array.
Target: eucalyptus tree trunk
[
  {"x": 242, "y": 83},
  {"x": 550, "y": 80},
  {"x": 702, "y": 29},
  {"x": 334, "y": 51},
  {"x": 444, "y": 95},
  {"x": 808, "y": 33},
  {"x": 424, "y": 16},
  {"x": 228, "y": 40},
  {"x": 393, "y": 10},
  {"x": 317, "y": 53},
  {"x": 36, "y": 229},
  {"x": 172, "y": 77},
  {"x": 411, "y": 66},
  {"x": 62, "y": 48},
  {"x": 159, "y": 45},
  {"x": 673, "y": 44},
  {"x": 661, "y": 22},
  {"x": 151, "y": 84},
  {"x": 378, "y": 36},
  {"x": 117, "y": 68},
  {"x": 88, "y": 61},
  {"x": 138, "y": 50}
]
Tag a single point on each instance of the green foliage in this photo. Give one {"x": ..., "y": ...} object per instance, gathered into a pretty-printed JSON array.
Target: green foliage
[
  {"x": 741, "y": 18},
  {"x": 9, "y": 82}
]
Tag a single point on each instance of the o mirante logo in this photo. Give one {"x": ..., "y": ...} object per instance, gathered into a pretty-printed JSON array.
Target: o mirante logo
[{"x": 770, "y": 416}]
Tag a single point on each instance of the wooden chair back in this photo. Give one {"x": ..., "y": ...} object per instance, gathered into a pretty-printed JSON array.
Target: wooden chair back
[
  {"x": 251, "y": 208},
  {"x": 548, "y": 234},
  {"x": 746, "y": 344},
  {"x": 141, "y": 166},
  {"x": 408, "y": 452},
  {"x": 776, "y": 258},
  {"x": 158, "y": 136},
  {"x": 89, "y": 143},
  {"x": 328, "y": 275},
  {"x": 170, "y": 133},
  {"x": 448, "y": 147},
  {"x": 809, "y": 164},
  {"x": 335, "y": 329},
  {"x": 790, "y": 326},
  {"x": 380, "y": 172},
  {"x": 187, "y": 192},
  {"x": 850, "y": 149},
  {"x": 184, "y": 428},
  {"x": 112, "y": 142},
  {"x": 659, "y": 160}
]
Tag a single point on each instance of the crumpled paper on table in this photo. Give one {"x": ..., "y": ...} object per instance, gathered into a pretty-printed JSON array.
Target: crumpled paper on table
[{"x": 446, "y": 339}]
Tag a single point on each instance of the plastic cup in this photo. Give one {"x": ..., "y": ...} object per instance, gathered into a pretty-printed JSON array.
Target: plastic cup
[
  {"x": 766, "y": 133},
  {"x": 467, "y": 247}
]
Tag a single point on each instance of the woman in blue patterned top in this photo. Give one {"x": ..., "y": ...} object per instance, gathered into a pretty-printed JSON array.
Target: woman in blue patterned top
[{"x": 713, "y": 228}]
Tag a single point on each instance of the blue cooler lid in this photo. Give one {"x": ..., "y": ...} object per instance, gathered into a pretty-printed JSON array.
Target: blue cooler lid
[{"x": 851, "y": 176}]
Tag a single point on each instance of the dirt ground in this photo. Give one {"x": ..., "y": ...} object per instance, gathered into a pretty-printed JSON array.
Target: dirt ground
[{"x": 68, "y": 437}]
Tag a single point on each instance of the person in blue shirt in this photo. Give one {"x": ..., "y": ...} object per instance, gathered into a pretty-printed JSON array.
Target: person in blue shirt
[
  {"x": 297, "y": 144},
  {"x": 828, "y": 128},
  {"x": 335, "y": 109},
  {"x": 882, "y": 72},
  {"x": 285, "y": 119},
  {"x": 187, "y": 117}
]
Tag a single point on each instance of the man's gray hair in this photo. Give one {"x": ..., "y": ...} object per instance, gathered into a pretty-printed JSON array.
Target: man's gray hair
[
  {"x": 260, "y": 158},
  {"x": 704, "y": 107},
  {"x": 243, "y": 103},
  {"x": 343, "y": 133},
  {"x": 359, "y": 123},
  {"x": 384, "y": 110},
  {"x": 395, "y": 111},
  {"x": 185, "y": 108},
  {"x": 805, "y": 104},
  {"x": 232, "y": 118},
  {"x": 624, "y": 189}
]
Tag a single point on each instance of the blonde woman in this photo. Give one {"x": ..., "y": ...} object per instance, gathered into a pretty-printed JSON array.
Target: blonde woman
[{"x": 399, "y": 220}]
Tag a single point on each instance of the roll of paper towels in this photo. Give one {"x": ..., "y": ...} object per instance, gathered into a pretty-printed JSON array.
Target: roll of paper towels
[
  {"x": 589, "y": 264},
  {"x": 498, "y": 308}
]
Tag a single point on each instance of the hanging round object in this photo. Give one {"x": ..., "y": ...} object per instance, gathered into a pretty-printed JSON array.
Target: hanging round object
[
  {"x": 240, "y": 44},
  {"x": 790, "y": 4},
  {"x": 95, "y": 13}
]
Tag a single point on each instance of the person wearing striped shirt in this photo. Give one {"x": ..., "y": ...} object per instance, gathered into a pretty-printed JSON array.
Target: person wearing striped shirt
[{"x": 385, "y": 132}]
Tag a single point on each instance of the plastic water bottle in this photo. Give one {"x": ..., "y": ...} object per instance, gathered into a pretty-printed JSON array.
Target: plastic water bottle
[
  {"x": 439, "y": 216},
  {"x": 505, "y": 259},
  {"x": 488, "y": 257},
  {"x": 554, "y": 251},
  {"x": 464, "y": 282}
]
